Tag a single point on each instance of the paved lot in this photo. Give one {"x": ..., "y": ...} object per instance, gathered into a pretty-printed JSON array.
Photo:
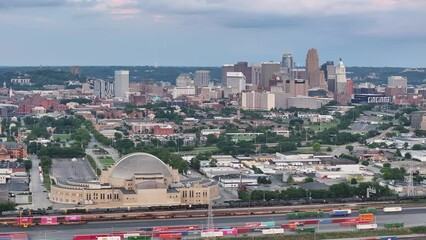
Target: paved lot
[
  {"x": 78, "y": 170},
  {"x": 40, "y": 196}
]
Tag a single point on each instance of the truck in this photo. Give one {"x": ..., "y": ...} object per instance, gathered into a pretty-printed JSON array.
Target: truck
[
  {"x": 366, "y": 226},
  {"x": 392, "y": 209},
  {"x": 341, "y": 212}
]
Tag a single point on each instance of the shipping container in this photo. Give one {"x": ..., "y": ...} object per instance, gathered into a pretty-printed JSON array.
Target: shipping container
[
  {"x": 211, "y": 234},
  {"x": 342, "y": 212},
  {"x": 109, "y": 238},
  {"x": 325, "y": 221},
  {"x": 170, "y": 236},
  {"x": 366, "y": 226},
  {"x": 267, "y": 224},
  {"x": 227, "y": 232},
  {"x": 241, "y": 230},
  {"x": 141, "y": 237},
  {"x": 73, "y": 218},
  {"x": 340, "y": 220},
  {"x": 369, "y": 217},
  {"x": 389, "y": 238},
  {"x": 304, "y": 230},
  {"x": 49, "y": 221},
  {"x": 273, "y": 231},
  {"x": 252, "y": 224},
  {"x": 392, "y": 209},
  {"x": 394, "y": 225},
  {"x": 305, "y": 222},
  {"x": 348, "y": 224},
  {"x": 368, "y": 210},
  {"x": 295, "y": 215}
]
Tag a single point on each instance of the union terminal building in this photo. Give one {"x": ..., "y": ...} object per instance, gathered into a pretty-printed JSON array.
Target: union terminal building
[{"x": 138, "y": 179}]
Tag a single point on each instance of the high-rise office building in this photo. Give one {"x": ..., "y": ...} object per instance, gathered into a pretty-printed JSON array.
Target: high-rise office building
[
  {"x": 256, "y": 74},
  {"x": 202, "y": 78},
  {"x": 287, "y": 64},
  {"x": 315, "y": 80},
  {"x": 99, "y": 88},
  {"x": 330, "y": 75},
  {"x": 268, "y": 70},
  {"x": 341, "y": 77},
  {"x": 184, "y": 80},
  {"x": 225, "y": 69},
  {"x": 245, "y": 69},
  {"x": 397, "y": 81},
  {"x": 236, "y": 81},
  {"x": 257, "y": 101},
  {"x": 287, "y": 61},
  {"x": 121, "y": 83}
]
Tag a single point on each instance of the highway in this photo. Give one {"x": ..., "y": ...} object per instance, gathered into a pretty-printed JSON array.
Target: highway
[{"x": 410, "y": 216}]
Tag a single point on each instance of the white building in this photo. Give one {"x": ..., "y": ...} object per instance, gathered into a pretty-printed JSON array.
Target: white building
[
  {"x": 341, "y": 77},
  {"x": 236, "y": 81},
  {"x": 99, "y": 88},
  {"x": 202, "y": 78},
  {"x": 121, "y": 83},
  {"x": 183, "y": 91},
  {"x": 397, "y": 81},
  {"x": 257, "y": 101},
  {"x": 184, "y": 80}
]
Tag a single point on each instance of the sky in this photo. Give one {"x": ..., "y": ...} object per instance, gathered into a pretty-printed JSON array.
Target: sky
[{"x": 211, "y": 32}]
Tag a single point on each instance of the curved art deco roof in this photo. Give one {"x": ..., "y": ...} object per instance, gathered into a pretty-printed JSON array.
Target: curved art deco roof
[{"x": 139, "y": 163}]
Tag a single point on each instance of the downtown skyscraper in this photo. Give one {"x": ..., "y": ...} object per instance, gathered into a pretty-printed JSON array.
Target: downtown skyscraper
[
  {"x": 121, "y": 83},
  {"x": 314, "y": 75}
]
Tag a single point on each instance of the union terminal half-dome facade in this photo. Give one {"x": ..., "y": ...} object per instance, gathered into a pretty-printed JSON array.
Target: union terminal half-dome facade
[{"x": 137, "y": 179}]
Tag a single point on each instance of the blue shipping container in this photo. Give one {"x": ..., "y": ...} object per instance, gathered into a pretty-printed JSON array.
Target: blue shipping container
[
  {"x": 325, "y": 221},
  {"x": 388, "y": 238}
]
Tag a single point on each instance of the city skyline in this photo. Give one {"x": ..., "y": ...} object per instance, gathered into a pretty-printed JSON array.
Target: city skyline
[{"x": 210, "y": 33}]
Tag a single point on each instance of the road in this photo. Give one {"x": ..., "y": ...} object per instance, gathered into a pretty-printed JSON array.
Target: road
[
  {"x": 410, "y": 216},
  {"x": 337, "y": 150},
  {"x": 39, "y": 193}
]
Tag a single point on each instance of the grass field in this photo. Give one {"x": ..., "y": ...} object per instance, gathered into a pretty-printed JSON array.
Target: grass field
[
  {"x": 311, "y": 150},
  {"x": 106, "y": 161},
  {"x": 200, "y": 150},
  {"x": 63, "y": 137},
  {"x": 316, "y": 127}
]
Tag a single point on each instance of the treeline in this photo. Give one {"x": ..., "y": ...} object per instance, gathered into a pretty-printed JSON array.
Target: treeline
[
  {"x": 98, "y": 136},
  {"x": 64, "y": 125},
  {"x": 7, "y": 206},
  {"x": 341, "y": 190}
]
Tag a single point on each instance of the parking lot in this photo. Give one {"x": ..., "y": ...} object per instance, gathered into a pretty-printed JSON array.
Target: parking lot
[{"x": 76, "y": 170}]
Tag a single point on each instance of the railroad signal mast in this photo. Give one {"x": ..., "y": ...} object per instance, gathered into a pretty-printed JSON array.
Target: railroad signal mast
[
  {"x": 410, "y": 182},
  {"x": 210, "y": 224}
]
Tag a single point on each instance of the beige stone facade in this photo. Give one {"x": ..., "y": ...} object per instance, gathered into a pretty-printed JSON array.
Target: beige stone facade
[{"x": 138, "y": 179}]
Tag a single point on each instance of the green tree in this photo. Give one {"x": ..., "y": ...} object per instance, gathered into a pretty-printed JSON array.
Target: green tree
[
  {"x": 405, "y": 145},
  {"x": 350, "y": 148},
  {"x": 290, "y": 180},
  {"x": 354, "y": 181},
  {"x": 308, "y": 180},
  {"x": 28, "y": 165},
  {"x": 398, "y": 153},
  {"x": 316, "y": 147},
  {"x": 365, "y": 163},
  {"x": 329, "y": 149},
  {"x": 407, "y": 155},
  {"x": 417, "y": 147},
  {"x": 118, "y": 136},
  {"x": 195, "y": 164}
]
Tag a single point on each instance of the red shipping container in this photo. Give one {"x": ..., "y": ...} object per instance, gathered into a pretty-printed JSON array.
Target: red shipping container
[
  {"x": 242, "y": 229},
  {"x": 348, "y": 224},
  {"x": 49, "y": 220},
  {"x": 340, "y": 220},
  {"x": 170, "y": 236},
  {"x": 252, "y": 224},
  {"x": 73, "y": 218},
  {"x": 229, "y": 231},
  {"x": 23, "y": 220}
]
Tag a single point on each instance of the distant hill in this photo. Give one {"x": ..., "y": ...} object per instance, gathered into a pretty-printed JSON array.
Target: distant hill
[{"x": 58, "y": 75}]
